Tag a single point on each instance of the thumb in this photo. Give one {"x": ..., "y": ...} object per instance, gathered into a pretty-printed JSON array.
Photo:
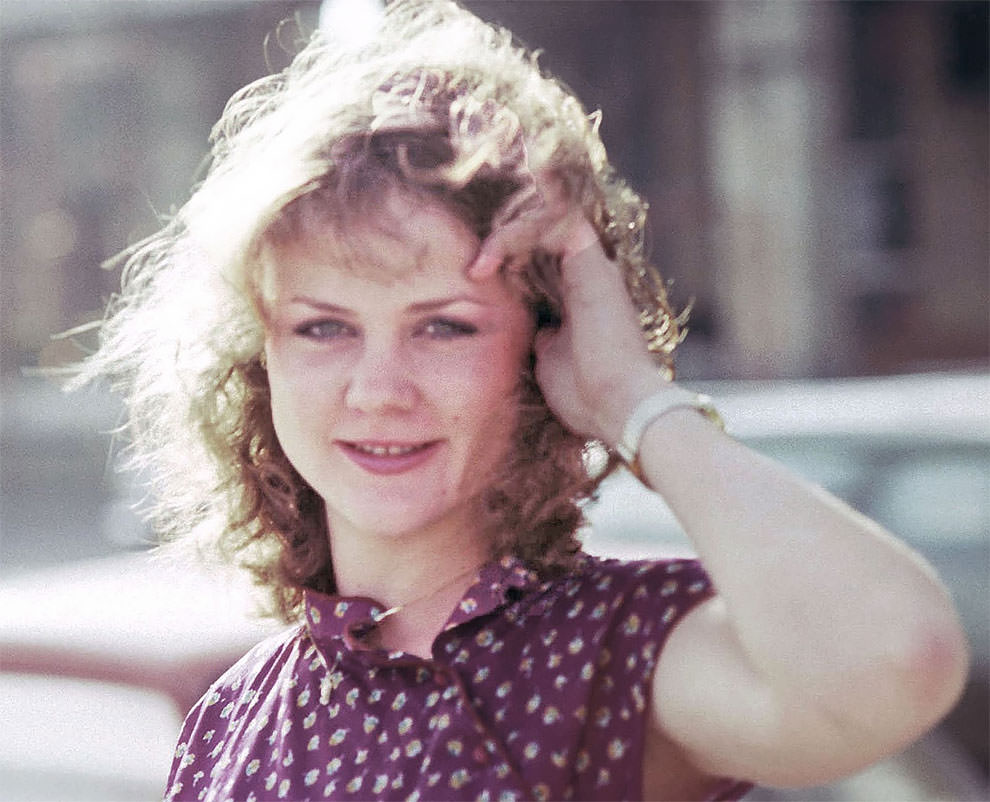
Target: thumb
[{"x": 487, "y": 261}]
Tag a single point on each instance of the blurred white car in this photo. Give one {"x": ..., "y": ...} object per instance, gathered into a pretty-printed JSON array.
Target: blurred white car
[
  {"x": 101, "y": 657},
  {"x": 99, "y": 661}
]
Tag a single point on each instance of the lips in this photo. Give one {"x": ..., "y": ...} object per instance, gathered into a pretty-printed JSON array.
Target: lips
[
  {"x": 386, "y": 451},
  {"x": 384, "y": 457}
]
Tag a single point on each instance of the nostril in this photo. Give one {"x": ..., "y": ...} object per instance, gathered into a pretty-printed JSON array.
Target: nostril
[{"x": 380, "y": 385}]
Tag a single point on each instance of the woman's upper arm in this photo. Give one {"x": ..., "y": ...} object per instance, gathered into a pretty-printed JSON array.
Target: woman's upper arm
[{"x": 730, "y": 721}]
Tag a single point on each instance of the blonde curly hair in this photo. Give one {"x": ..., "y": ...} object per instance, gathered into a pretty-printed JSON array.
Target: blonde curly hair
[{"x": 439, "y": 103}]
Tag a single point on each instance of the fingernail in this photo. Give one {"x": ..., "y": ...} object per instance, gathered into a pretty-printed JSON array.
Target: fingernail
[{"x": 485, "y": 265}]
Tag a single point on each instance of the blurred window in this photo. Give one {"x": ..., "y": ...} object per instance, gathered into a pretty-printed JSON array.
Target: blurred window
[
  {"x": 837, "y": 464},
  {"x": 925, "y": 492},
  {"x": 941, "y": 495}
]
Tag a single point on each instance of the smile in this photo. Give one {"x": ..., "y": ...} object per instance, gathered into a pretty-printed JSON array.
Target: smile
[
  {"x": 385, "y": 458},
  {"x": 387, "y": 451}
]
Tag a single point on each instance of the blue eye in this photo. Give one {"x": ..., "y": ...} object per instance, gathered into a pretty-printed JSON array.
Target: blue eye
[
  {"x": 447, "y": 329},
  {"x": 324, "y": 330}
]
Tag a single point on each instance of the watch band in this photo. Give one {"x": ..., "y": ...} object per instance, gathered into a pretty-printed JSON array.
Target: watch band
[{"x": 651, "y": 408}]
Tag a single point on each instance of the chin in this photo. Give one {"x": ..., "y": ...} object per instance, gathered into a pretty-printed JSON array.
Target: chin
[
  {"x": 390, "y": 521},
  {"x": 404, "y": 511}
]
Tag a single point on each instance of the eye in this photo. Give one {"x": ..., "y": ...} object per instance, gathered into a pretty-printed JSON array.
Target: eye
[
  {"x": 324, "y": 330},
  {"x": 442, "y": 328}
]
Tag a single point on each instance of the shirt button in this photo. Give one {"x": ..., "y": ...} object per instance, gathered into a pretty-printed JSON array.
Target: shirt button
[
  {"x": 480, "y": 756},
  {"x": 439, "y": 677}
]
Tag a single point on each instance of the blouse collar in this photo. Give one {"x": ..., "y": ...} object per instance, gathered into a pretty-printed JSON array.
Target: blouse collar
[{"x": 351, "y": 618}]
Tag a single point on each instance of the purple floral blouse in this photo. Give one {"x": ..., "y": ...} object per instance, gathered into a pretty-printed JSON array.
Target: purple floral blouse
[{"x": 535, "y": 690}]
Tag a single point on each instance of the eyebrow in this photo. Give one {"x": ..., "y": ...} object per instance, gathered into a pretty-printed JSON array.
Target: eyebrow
[
  {"x": 321, "y": 305},
  {"x": 421, "y": 306},
  {"x": 439, "y": 303}
]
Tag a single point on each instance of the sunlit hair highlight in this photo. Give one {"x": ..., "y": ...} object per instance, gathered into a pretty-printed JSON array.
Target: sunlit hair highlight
[{"x": 438, "y": 104}]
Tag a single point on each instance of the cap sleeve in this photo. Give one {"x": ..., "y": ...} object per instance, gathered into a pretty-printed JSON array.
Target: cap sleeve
[{"x": 649, "y": 599}]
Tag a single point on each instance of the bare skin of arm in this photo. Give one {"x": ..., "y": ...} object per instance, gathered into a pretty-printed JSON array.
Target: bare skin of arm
[{"x": 829, "y": 644}]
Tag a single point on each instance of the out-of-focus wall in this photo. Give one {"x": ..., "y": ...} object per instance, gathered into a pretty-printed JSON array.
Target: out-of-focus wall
[
  {"x": 817, "y": 171},
  {"x": 914, "y": 266},
  {"x": 106, "y": 110}
]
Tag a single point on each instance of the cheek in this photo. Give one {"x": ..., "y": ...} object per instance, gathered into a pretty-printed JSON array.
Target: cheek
[
  {"x": 297, "y": 395},
  {"x": 492, "y": 369},
  {"x": 280, "y": 384},
  {"x": 284, "y": 416},
  {"x": 485, "y": 390},
  {"x": 299, "y": 416}
]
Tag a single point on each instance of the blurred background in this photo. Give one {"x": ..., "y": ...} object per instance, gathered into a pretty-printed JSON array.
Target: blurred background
[
  {"x": 818, "y": 179},
  {"x": 817, "y": 171}
]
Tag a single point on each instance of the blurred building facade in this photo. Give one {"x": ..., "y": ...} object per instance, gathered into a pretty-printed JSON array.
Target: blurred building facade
[{"x": 818, "y": 172}]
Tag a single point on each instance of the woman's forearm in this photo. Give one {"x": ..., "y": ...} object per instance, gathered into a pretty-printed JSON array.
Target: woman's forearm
[
  {"x": 819, "y": 596},
  {"x": 820, "y": 599}
]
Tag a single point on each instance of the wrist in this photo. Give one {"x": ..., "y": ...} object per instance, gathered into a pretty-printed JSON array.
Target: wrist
[
  {"x": 580, "y": 237},
  {"x": 651, "y": 409},
  {"x": 620, "y": 400}
]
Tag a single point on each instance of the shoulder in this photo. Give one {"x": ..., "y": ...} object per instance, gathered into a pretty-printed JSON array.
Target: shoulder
[
  {"x": 673, "y": 582},
  {"x": 629, "y": 605},
  {"x": 599, "y": 565},
  {"x": 254, "y": 673},
  {"x": 260, "y": 657},
  {"x": 246, "y": 691},
  {"x": 645, "y": 600}
]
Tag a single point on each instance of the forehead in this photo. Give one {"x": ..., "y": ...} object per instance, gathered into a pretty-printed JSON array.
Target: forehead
[{"x": 399, "y": 237}]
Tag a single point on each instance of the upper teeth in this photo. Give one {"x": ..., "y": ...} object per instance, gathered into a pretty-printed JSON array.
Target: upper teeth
[{"x": 385, "y": 451}]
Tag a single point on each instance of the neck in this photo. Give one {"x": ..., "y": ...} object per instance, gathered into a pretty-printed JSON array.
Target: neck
[
  {"x": 418, "y": 578},
  {"x": 397, "y": 570}
]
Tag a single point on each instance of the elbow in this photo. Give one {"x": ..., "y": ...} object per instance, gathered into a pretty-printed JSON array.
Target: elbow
[
  {"x": 935, "y": 672},
  {"x": 917, "y": 687},
  {"x": 901, "y": 699},
  {"x": 907, "y": 692},
  {"x": 923, "y": 665}
]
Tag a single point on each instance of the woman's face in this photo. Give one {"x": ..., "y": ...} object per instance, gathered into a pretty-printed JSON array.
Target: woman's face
[{"x": 393, "y": 375}]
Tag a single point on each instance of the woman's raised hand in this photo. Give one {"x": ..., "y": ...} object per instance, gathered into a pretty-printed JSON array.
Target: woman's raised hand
[
  {"x": 542, "y": 216},
  {"x": 595, "y": 367}
]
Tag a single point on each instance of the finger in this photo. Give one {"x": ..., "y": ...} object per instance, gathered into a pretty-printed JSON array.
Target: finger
[
  {"x": 551, "y": 187},
  {"x": 485, "y": 264},
  {"x": 539, "y": 214},
  {"x": 518, "y": 225},
  {"x": 525, "y": 203},
  {"x": 544, "y": 341},
  {"x": 505, "y": 245}
]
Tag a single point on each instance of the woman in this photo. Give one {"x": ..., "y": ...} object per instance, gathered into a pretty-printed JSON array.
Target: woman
[{"x": 370, "y": 362}]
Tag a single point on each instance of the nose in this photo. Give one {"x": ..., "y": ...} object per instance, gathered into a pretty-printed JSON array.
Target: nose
[{"x": 380, "y": 380}]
